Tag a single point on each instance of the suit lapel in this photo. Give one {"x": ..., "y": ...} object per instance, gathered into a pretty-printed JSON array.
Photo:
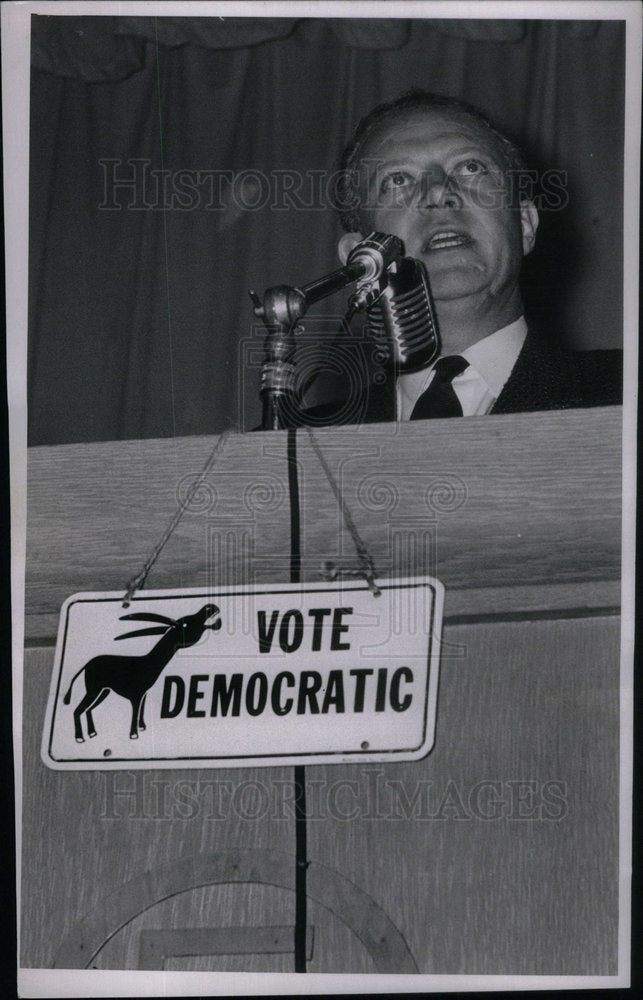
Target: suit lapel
[
  {"x": 540, "y": 380},
  {"x": 379, "y": 401}
]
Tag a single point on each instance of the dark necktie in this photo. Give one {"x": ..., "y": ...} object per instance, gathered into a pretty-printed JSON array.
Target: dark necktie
[{"x": 440, "y": 399}]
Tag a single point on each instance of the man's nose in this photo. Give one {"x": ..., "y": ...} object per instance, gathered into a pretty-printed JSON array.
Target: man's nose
[{"x": 437, "y": 190}]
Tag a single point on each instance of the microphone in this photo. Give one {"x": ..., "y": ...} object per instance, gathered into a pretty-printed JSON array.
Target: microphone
[
  {"x": 403, "y": 319},
  {"x": 374, "y": 255},
  {"x": 366, "y": 264}
]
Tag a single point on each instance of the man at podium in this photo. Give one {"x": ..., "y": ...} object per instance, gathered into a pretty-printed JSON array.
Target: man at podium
[{"x": 435, "y": 172}]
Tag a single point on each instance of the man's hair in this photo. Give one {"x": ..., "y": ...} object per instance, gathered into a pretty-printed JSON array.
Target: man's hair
[{"x": 346, "y": 193}]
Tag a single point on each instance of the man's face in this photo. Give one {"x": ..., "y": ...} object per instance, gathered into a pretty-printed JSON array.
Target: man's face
[{"x": 437, "y": 181}]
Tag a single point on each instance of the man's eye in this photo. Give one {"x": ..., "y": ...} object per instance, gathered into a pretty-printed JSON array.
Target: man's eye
[
  {"x": 396, "y": 179},
  {"x": 469, "y": 168}
]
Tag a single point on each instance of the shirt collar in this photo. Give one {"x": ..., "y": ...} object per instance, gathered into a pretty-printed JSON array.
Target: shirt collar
[{"x": 494, "y": 356}]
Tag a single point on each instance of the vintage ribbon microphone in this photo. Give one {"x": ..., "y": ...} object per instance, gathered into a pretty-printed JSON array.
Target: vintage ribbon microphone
[
  {"x": 283, "y": 306},
  {"x": 402, "y": 319}
]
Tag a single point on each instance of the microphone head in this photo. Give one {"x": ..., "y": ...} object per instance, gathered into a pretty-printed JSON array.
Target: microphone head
[
  {"x": 375, "y": 254},
  {"x": 403, "y": 319}
]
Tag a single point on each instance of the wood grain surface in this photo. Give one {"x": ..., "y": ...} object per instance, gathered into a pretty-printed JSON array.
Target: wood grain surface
[
  {"x": 505, "y": 502},
  {"x": 497, "y": 853},
  {"x": 87, "y": 834}
]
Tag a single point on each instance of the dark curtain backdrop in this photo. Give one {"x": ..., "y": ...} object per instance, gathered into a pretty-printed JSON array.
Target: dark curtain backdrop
[{"x": 140, "y": 321}]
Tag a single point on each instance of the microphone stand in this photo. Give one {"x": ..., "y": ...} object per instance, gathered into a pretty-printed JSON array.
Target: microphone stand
[{"x": 283, "y": 306}]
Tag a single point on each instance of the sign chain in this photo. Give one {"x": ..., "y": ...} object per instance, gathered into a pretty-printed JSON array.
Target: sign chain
[
  {"x": 138, "y": 581},
  {"x": 367, "y": 566}
]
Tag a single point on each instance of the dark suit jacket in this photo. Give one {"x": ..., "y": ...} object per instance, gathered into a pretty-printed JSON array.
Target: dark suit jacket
[{"x": 546, "y": 376}]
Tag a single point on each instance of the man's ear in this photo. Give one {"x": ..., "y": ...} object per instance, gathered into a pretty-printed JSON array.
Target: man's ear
[
  {"x": 346, "y": 244},
  {"x": 529, "y": 224}
]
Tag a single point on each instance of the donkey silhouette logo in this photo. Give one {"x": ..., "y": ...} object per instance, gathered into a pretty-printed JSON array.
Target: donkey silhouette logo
[{"x": 132, "y": 676}]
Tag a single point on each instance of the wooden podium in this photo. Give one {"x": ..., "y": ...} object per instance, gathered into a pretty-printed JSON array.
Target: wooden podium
[{"x": 495, "y": 854}]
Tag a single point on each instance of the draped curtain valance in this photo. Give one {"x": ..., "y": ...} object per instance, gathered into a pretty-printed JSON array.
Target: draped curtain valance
[{"x": 111, "y": 48}]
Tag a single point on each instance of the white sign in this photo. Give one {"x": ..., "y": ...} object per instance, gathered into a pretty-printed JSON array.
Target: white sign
[{"x": 246, "y": 676}]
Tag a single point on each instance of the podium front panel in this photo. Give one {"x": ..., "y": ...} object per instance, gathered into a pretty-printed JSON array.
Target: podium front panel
[{"x": 498, "y": 853}]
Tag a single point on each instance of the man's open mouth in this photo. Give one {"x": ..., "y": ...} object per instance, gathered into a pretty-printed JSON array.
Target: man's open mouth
[{"x": 446, "y": 239}]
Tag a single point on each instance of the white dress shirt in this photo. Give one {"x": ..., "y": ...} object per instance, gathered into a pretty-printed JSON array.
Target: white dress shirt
[{"x": 491, "y": 361}]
